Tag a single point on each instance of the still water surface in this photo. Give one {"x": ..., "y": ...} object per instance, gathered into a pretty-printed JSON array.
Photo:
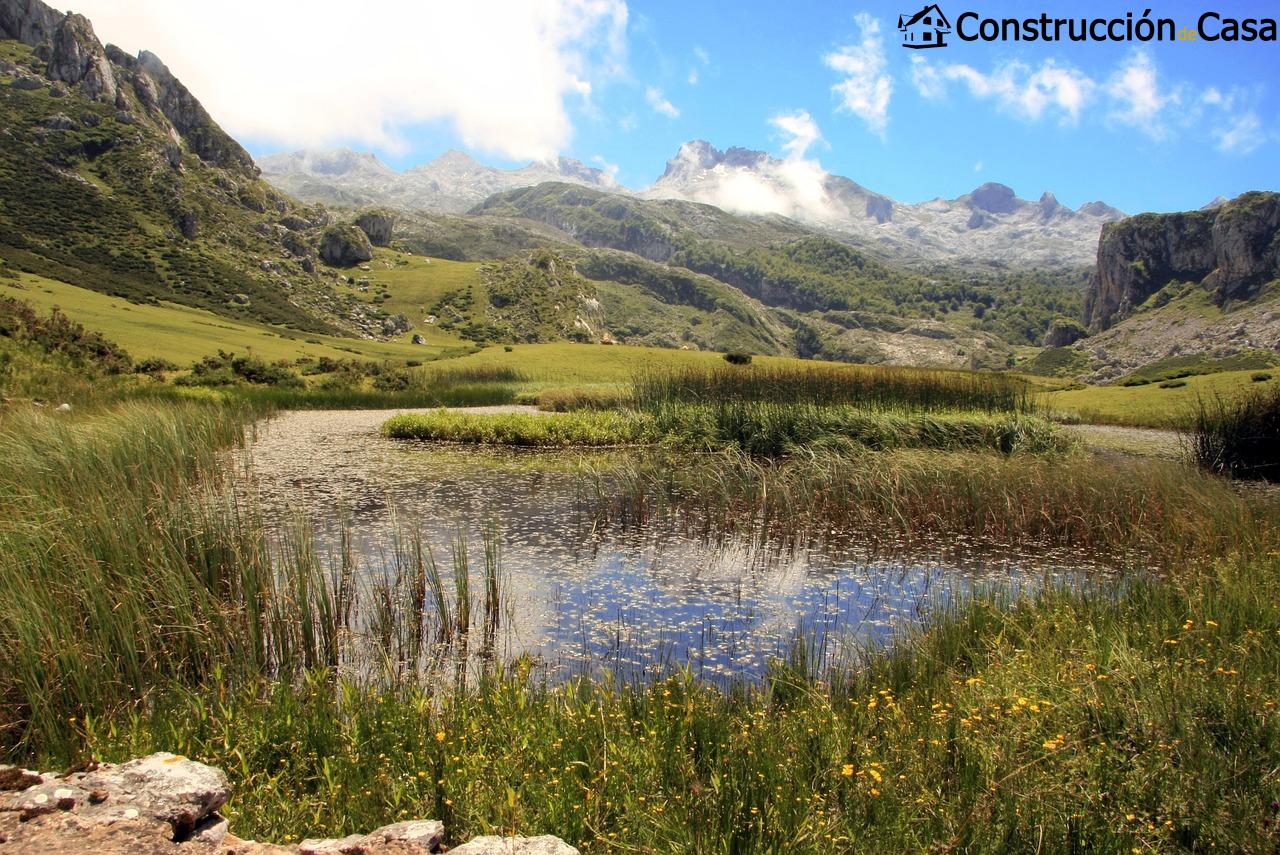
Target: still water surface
[{"x": 588, "y": 598}]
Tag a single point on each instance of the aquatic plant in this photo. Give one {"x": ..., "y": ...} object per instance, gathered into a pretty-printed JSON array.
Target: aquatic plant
[{"x": 1240, "y": 436}]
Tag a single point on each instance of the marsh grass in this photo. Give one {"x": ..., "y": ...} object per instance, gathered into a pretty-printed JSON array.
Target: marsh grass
[
  {"x": 908, "y": 389},
  {"x": 997, "y": 727},
  {"x": 1124, "y": 512},
  {"x": 1240, "y": 436},
  {"x": 128, "y": 562},
  {"x": 759, "y": 428}
]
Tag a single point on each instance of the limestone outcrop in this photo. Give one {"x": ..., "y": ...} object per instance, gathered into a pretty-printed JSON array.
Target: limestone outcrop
[
  {"x": 345, "y": 246},
  {"x": 377, "y": 225},
  {"x": 1233, "y": 249}
]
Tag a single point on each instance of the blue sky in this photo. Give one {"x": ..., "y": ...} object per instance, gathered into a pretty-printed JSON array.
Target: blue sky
[{"x": 1160, "y": 126}]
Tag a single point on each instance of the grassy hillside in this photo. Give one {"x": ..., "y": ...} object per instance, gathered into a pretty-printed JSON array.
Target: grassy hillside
[
  {"x": 1154, "y": 404},
  {"x": 182, "y": 334}
]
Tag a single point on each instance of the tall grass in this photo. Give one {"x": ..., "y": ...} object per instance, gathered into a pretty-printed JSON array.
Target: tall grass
[
  {"x": 1239, "y": 437},
  {"x": 1141, "y": 716},
  {"x": 128, "y": 562},
  {"x": 1155, "y": 511},
  {"x": 758, "y": 428},
  {"x": 868, "y": 387}
]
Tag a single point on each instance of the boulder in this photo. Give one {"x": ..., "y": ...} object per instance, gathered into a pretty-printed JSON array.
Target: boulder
[
  {"x": 377, "y": 225},
  {"x": 345, "y": 246},
  {"x": 1064, "y": 332},
  {"x": 545, "y": 845},
  {"x": 59, "y": 122},
  {"x": 418, "y": 837},
  {"x": 297, "y": 245}
]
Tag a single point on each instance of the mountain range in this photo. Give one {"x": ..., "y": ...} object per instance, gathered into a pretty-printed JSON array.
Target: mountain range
[
  {"x": 114, "y": 179},
  {"x": 989, "y": 224},
  {"x": 452, "y": 183}
]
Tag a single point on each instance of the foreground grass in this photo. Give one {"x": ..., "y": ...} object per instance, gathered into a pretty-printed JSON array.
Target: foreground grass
[
  {"x": 1139, "y": 712},
  {"x": 1143, "y": 717}
]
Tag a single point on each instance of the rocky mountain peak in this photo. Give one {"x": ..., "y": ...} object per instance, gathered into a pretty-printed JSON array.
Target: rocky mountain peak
[
  {"x": 993, "y": 198},
  {"x": 1101, "y": 210},
  {"x": 78, "y": 58}
]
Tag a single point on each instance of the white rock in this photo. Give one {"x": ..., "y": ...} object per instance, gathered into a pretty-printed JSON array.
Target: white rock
[{"x": 545, "y": 845}]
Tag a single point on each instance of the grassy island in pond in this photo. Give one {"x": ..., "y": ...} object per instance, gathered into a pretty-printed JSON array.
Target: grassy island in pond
[{"x": 770, "y": 411}]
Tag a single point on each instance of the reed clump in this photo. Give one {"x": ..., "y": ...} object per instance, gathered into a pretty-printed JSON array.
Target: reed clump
[
  {"x": 910, "y": 389},
  {"x": 1239, "y": 437}
]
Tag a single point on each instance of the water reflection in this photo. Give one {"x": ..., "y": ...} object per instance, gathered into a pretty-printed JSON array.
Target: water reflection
[{"x": 583, "y": 598}]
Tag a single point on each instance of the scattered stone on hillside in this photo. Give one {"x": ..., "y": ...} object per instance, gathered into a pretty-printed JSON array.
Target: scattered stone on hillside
[
  {"x": 377, "y": 225},
  {"x": 64, "y": 408},
  {"x": 124, "y": 117},
  {"x": 168, "y": 805},
  {"x": 173, "y": 154},
  {"x": 56, "y": 91},
  {"x": 90, "y": 119},
  {"x": 294, "y": 223},
  {"x": 1064, "y": 332},
  {"x": 27, "y": 83},
  {"x": 297, "y": 245},
  {"x": 418, "y": 339},
  {"x": 189, "y": 223},
  {"x": 59, "y": 122},
  {"x": 345, "y": 246},
  {"x": 545, "y": 845}
]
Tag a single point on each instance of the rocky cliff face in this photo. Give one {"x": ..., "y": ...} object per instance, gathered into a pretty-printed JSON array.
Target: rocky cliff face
[
  {"x": 76, "y": 57},
  {"x": 1233, "y": 249}
]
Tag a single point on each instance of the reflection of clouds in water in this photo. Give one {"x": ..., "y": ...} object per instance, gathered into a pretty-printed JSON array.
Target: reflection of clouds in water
[{"x": 579, "y": 598}]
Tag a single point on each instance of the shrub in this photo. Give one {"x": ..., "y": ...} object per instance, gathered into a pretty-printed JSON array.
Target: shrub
[
  {"x": 1173, "y": 384},
  {"x": 227, "y": 369},
  {"x": 1239, "y": 437},
  {"x": 392, "y": 380},
  {"x": 1260, "y": 377},
  {"x": 59, "y": 335},
  {"x": 154, "y": 365},
  {"x": 738, "y": 358}
]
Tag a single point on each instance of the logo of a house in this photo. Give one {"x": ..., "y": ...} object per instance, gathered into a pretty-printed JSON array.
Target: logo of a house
[{"x": 927, "y": 28}]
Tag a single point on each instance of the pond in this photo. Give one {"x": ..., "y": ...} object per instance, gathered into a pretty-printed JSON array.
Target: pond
[{"x": 580, "y": 597}]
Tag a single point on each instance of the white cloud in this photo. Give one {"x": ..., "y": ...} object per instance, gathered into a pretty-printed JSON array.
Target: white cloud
[
  {"x": 1138, "y": 100},
  {"x": 702, "y": 59},
  {"x": 1242, "y": 136},
  {"x": 801, "y": 130},
  {"x": 1026, "y": 92},
  {"x": 794, "y": 186},
  {"x": 653, "y": 95},
  {"x": 611, "y": 169},
  {"x": 504, "y": 74},
  {"x": 867, "y": 86},
  {"x": 979, "y": 166}
]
